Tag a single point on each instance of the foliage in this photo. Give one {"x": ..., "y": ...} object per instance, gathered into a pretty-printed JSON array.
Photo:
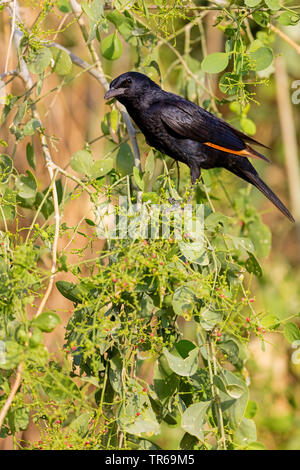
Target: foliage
[{"x": 136, "y": 298}]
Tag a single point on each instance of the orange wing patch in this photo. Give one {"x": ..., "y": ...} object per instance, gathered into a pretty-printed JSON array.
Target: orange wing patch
[{"x": 246, "y": 152}]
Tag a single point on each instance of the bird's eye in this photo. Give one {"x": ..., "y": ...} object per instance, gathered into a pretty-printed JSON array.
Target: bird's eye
[{"x": 128, "y": 81}]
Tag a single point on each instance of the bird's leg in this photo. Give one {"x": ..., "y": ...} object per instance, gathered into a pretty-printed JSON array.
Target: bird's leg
[{"x": 195, "y": 179}]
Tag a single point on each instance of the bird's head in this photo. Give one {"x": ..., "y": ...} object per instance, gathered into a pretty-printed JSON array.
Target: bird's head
[{"x": 130, "y": 87}]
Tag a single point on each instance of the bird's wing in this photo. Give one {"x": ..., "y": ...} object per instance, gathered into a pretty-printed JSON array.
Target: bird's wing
[{"x": 190, "y": 121}]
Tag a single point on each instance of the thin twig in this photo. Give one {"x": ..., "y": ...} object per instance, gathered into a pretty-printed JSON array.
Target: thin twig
[{"x": 285, "y": 37}]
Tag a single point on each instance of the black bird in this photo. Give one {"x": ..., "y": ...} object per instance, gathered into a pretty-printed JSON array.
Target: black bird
[{"x": 189, "y": 134}]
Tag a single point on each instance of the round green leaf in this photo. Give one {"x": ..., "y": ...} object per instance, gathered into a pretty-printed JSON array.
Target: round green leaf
[
  {"x": 252, "y": 3},
  {"x": 251, "y": 409},
  {"x": 31, "y": 127},
  {"x": 270, "y": 322},
  {"x": 262, "y": 18},
  {"x": 6, "y": 167},
  {"x": 39, "y": 60},
  {"x": 125, "y": 160},
  {"x": 64, "y": 6},
  {"x": 274, "y": 5},
  {"x": 102, "y": 167},
  {"x": 111, "y": 47},
  {"x": 82, "y": 162},
  {"x": 62, "y": 62},
  {"x": 288, "y": 18},
  {"x": 26, "y": 185},
  {"x": 36, "y": 338},
  {"x": 47, "y": 321},
  {"x": 248, "y": 126},
  {"x": 291, "y": 332},
  {"x": 215, "y": 62},
  {"x": 262, "y": 58}
]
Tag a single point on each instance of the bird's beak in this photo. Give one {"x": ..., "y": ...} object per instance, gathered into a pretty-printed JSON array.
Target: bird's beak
[{"x": 113, "y": 92}]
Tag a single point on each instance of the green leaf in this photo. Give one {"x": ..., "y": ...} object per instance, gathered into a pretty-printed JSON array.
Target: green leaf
[
  {"x": 230, "y": 347},
  {"x": 260, "y": 235},
  {"x": 150, "y": 164},
  {"x": 115, "y": 374},
  {"x": 262, "y": 18},
  {"x": 195, "y": 252},
  {"x": 248, "y": 126},
  {"x": 252, "y": 3},
  {"x": 188, "y": 442},
  {"x": 262, "y": 58},
  {"x": 287, "y": 18},
  {"x": 70, "y": 291},
  {"x": 6, "y": 167},
  {"x": 136, "y": 415},
  {"x": 111, "y": 47},
  {"x": 124, "y": 25},
  {"x": 101, "y": 168},
  {"x": 194, "y": 418},
  {"x": 184, "y": 302},
  {"x": 246, "y": 432},
  {"x": 81, "y": 423},
  {"x": 253, "y": 266},
  {"x": 39, "y": 60},
  {"x": 233, "y": 390},
  {"x": 125, "y": 160},
  {"x": 251, "y": 409},
  {"x": 215, "y": 62},
  {"x": 47, "y": 321},
  {"x": 26, "y": 185},
  {"x": 210, "y": 318},
  {"x": 274, "y": 5},
  {"x": 10, "y": 355},
  {"x": 270, "y": 322},
  {"x": 183, "y": 362},
  {"x": 36, "y": 338},
  {"x": 233, "y": 409},
  {"x": 62, "y": 61},
  {"x": 64, "y": 6},
  {"x": 82, "y": 162},
  {"x": 18, "y": 419},
  {"x": 94, "y": 11},
  {"x": 165, "y": 384},
  {"x": 243, "y": 243},
  {"x": 30, "y": 156},
  {"x": 291, "y": 332},
  {"x": 137, "y": 176},
  {"x": 20, "y": 113},
  {"x": 31, "y": 127}
]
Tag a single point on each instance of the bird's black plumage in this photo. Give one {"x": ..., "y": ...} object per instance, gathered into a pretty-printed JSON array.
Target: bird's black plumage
[{"x": 188, "y": 133}]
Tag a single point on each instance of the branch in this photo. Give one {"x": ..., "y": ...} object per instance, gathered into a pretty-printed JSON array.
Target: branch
[
  {"x": 77, "y": 11},
  {"x": 285, "y": 38},
  {"x": 289, "y": 137},
  {"x": 11, "y": 396}
]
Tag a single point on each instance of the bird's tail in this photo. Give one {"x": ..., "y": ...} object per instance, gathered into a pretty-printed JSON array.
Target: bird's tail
[{"x": 251, "y": 176}]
